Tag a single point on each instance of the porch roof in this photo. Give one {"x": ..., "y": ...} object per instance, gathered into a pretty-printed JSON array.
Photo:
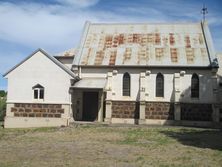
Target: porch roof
[{"x": 91, "y": 83}]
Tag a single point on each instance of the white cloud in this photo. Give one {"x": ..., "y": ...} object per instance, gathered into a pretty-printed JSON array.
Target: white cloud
[
  {"x": 79, "y": 3},
  {"x": 52, "y": 27},
  {"x": 34, "y": 25}
]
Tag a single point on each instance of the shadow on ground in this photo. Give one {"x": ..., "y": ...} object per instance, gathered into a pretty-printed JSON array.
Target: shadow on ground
[{"x": 211, "y": 139}]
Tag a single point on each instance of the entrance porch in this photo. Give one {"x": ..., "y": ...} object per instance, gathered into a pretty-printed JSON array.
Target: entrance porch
[{"x": 88, "y": 100}]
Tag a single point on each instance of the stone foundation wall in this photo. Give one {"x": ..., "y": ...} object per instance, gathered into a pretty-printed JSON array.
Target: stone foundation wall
[
  {"x": 196, "y": 112},
  {"x": 159, "y": 110},
  {"x": 125, "y": 109},
  {"x": 37, "y": 110}
]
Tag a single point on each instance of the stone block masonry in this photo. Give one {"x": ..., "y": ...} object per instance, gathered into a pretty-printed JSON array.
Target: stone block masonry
[
  {"x": 125, "y": 109},
  {"x": 196, "y": 112},
  {"x": 159, "y": 110},
  {"x": 37, "y": 110}
]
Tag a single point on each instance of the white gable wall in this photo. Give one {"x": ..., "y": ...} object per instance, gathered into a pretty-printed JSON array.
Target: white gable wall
[{"x": 38, "y": 69}]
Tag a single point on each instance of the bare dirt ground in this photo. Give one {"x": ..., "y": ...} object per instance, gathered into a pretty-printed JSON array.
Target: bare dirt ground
[{"x": 103, "y": 145}]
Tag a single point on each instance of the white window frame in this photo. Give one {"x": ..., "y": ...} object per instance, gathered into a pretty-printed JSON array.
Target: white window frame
[
  {"x": 37, "y": 89},
  {"x": 38, "y": 95}
]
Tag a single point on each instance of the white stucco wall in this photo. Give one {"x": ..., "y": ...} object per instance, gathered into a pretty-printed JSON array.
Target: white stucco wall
[
  {"x": 38, "y": 69},
  {"x": 206, "y": 89},
  {"x": 219, "y": 58}
]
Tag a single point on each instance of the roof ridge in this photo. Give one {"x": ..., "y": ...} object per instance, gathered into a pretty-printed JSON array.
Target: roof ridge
[{"x": 144, "y": 23}]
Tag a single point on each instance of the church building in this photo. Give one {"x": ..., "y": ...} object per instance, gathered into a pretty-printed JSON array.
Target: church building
[{"x": 137, "y": 73}]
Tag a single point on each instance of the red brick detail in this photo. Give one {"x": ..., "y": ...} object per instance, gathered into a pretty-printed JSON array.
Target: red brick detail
[
  {"x": 159, "y": 110},
  {"x": 37, "y": 110},
  {"x": 125, "y": 109},
  {"x": 196, "y": 112}
]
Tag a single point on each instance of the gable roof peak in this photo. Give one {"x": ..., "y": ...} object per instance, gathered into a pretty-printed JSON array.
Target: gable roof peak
[{"x": 48, "y": 56}]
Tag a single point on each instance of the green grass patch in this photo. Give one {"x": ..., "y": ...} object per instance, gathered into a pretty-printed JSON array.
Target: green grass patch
[{"x": 145, "y": 137}]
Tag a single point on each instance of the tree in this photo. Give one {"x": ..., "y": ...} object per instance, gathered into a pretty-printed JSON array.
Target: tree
[
  {"x": 2, "y": 93},
  {"x": 2, "y": 104}
]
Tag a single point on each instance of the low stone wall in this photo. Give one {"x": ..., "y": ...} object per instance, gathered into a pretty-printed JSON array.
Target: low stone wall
[
  {"x": 159, "y": 110},
  {"x": 37, "y": 110},
  {"x": 125, "y": 109},
  {"x": 196, "y": 112}
]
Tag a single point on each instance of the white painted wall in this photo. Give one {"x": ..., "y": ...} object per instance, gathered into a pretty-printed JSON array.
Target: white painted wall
[
  {"x": 219, "y": 96},
  {"x": 206, "y": 90},
  {"x": 38, "y": 69},
  {"x": 219, "y": 58}
]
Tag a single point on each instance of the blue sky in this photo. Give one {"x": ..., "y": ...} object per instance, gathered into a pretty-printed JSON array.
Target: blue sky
[{"x": 56, "y": 25}]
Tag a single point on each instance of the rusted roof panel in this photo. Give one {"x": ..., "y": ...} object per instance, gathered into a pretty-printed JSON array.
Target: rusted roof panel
[
  {"x": 144, "y": 44},
  {"x": 174, "y": 55}
]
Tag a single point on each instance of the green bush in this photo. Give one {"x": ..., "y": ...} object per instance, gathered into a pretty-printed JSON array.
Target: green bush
[
  {"x": 2, "y": 93},
  {"x": 2, "y": 105}
]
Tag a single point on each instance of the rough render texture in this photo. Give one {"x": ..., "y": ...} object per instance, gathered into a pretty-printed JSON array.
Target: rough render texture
[
  {"x": 125, "y": 109},
  {"x": 196, "y": 112},
  {"x": 159, "y": 110},
  {"x": 37, "y": 110}
]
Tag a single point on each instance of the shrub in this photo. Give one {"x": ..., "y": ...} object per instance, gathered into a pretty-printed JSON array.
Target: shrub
[{"x": 2, "y": 104}]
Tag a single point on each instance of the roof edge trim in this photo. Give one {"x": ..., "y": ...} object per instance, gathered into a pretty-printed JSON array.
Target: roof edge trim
[
  {"x": 47, "y": 55},
  {"x": 85, "y": 31}
]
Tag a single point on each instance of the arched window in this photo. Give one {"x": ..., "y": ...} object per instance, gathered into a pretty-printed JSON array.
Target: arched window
[
  {"x": 126, "y": 84},
  {"x": 38, "y": 91},
  {"x": 195, "y": 86},
  {"x": 159, "y": 85}
]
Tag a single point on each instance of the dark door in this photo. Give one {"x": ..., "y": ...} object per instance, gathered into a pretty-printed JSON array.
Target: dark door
[{"x": 90, "y": 106}]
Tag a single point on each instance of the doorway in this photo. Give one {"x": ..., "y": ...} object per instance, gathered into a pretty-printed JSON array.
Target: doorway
[{"x": 90, "y": 106}]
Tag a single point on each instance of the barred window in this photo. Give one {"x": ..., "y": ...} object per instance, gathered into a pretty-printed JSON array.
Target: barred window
[
  {"x": 159, "y": 85},
  {"x": 195, "y": 86},
  {"x": 126, "y": 84}
]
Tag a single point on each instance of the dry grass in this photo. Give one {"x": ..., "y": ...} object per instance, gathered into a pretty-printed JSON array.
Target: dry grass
[{"x": 99, "y": 145}]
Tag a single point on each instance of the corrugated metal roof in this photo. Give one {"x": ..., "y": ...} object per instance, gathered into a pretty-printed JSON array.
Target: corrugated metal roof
[{"x": 143, "y": 44}]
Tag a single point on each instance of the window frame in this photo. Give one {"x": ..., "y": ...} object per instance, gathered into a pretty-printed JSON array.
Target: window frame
[
  {"x": 159, "y": 91},
  {"x": 38, "y": 92},
  {"x": 195, "y": 89},
  {"x": 126, "y": 89}
]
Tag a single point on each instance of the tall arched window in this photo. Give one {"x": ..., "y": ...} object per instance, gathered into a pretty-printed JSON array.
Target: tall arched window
[
  {"x": 159, "y": 85},
  {"x": 126, "y": 84},
  {"x": 195, "y": 86}
]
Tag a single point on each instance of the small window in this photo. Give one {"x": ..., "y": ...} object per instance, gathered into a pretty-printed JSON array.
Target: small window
[
  {"x": 126, "y": 84},
  {"x": 159, "y": 85},
  {"x": 41, "y": 94},
  {"x": 38, "y": 91},
  {"x": 195, "y": 86},
  {"x": 36, "y": 94}
]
